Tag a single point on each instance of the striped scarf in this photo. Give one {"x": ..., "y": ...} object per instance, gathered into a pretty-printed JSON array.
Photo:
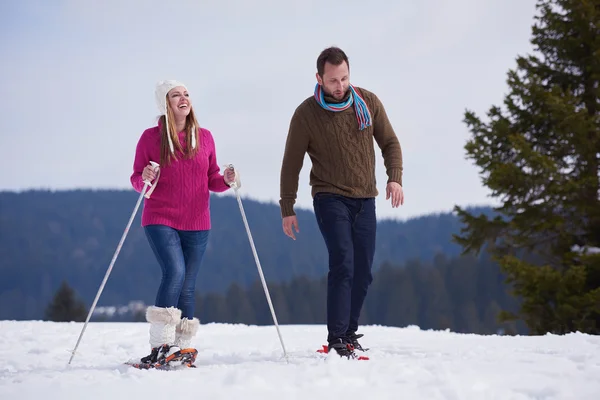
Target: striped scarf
[{"x": 363, "y": 115}]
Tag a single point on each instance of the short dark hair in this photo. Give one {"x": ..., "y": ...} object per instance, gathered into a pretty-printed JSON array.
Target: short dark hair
[{"x": 333, "y": 55}]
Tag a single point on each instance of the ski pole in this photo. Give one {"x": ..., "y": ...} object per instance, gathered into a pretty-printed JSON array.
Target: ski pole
[
  {"x": 260, "y": 272},
  {"x": 112, "y": 263}
]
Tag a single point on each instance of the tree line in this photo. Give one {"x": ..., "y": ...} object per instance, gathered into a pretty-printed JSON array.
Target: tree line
[{"x": 462, "y": 294}]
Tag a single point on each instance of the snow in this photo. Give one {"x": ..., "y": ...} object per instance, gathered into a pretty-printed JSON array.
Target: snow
[
  {"x": 239, "y": 361},
  {"x": 585, "y": 250}
]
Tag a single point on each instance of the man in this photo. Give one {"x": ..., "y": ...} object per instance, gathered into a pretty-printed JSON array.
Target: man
[{"x": 336, "y": 127}]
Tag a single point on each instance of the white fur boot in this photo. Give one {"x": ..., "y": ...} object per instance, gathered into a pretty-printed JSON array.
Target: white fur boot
[
  {"x": 163, "y": 323},
  {"x": 186, "y": 330}
]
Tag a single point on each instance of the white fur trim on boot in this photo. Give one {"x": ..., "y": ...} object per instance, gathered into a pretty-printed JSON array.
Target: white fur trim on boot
[
  {"x": 163, "y": 322},
  {"x": 185, "y": 331}
]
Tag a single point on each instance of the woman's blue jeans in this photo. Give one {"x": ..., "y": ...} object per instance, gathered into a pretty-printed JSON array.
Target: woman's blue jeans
[{"x": 179, "y": 254}]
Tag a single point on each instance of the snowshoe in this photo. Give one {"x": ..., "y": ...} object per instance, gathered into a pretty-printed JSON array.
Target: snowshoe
[
  {"x": 164, "y": 358},
  {"x": 343, "y": 349},
  {"x": 353, "y": 338}
]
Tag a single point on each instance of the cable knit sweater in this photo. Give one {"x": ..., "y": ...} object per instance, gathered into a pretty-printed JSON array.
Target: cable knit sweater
[
  {"x": 181, "y": 198},
  {"x": 343, "y": 157}
]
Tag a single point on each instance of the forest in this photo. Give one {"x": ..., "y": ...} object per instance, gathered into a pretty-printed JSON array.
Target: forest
[{"x": 49, "y": 238}]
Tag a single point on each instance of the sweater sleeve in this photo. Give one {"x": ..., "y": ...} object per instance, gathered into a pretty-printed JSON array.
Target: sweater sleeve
[
  {"x": 216, "y": 181},
  {"x": 388, "y": 142},
  {"x": 293, "y": 157},
  {"x": 139, "y": 163}
]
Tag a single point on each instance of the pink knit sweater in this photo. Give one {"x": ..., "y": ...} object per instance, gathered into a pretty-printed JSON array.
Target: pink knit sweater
[{"x": 181, "y": 197}]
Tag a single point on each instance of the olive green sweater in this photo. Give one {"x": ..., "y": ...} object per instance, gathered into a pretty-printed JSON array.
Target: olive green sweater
[{"x": 343, "y": 157}]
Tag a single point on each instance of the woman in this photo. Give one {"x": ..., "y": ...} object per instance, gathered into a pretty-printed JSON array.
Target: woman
[{"x": 176, "y": 215}]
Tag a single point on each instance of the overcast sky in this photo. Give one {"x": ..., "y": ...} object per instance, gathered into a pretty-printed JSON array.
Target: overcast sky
[{"x": 77, "y": 84}]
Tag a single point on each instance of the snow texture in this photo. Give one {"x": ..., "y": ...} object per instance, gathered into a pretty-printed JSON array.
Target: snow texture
[{"x": 246, "y": 362}]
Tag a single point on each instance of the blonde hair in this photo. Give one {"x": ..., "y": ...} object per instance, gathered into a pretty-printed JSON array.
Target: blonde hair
[{"x": 191, "y": 128}]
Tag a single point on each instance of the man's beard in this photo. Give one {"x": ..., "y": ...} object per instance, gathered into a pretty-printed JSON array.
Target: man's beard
[{"x": 330, "y": 94}]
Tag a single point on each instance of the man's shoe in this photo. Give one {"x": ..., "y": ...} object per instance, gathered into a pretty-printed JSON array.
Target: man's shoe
[
  {"x": 353, "y": 338},
  {"x": 342, "y": 348}
]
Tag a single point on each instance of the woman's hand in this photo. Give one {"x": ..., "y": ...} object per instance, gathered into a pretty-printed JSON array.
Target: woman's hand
[{"x": 148, "y": 174}]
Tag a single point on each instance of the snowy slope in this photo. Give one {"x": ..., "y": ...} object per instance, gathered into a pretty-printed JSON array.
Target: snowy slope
[{"x": 245, "y": 362}]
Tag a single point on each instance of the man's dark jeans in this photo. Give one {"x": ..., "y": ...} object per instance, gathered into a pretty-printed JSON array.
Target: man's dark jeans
[{"x": 348, "y": 226}]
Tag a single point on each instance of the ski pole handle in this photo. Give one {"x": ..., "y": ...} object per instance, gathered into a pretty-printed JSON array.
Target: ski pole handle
[
  {"x": 148, "y": 183},
  {"x": 155, "y": 165},
  {"x": 234, "y": 183}
]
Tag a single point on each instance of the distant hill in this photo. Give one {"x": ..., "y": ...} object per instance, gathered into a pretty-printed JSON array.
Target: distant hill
[{"x": 47, "y": 237}]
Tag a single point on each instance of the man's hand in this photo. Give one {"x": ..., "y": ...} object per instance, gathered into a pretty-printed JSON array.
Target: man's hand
[
  {"x": 394, "y": 190},
  {"x": 288, "y": 223}
]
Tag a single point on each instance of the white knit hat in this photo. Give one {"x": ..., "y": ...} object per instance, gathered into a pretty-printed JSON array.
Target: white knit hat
[{"x": 162, "y": 88}]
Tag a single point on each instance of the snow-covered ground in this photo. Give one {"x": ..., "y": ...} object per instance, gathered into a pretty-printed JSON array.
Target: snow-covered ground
[{"x": 246, "y": 362}]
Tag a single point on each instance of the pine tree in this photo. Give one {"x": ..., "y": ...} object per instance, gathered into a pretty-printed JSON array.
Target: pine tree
[
  {"x": 65, "y": 306},
  {"x": 540, "y": 158}
]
